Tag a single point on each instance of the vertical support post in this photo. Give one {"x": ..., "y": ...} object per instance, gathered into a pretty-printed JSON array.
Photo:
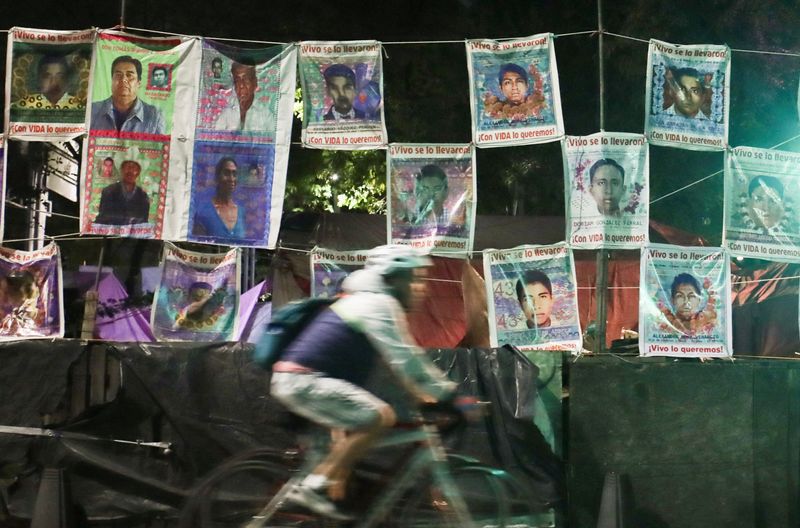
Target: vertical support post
[
  {"x": 601, "y": 284},
  {"x": 122, "y": 14},
  {"x": 37, "y": 215}
]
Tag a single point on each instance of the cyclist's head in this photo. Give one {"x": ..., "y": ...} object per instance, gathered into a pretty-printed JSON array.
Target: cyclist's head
[{"x": 401, "y": 268}]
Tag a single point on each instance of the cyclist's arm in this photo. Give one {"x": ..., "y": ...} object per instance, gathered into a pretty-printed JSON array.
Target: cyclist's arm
[{"x": 383, "y": 321}]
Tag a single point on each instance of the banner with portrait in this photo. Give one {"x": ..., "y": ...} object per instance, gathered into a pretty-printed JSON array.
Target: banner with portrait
[
  {"x": 514, "y": 94},
  {"x": 329, "y": 268},
  {"x": 3, "y": 150},
  {"x": 342, "y": 95},
  {"x": 684, "y": 302},
  {"x": 198, "y": 296},
  {"x": 606, "y": 177},
  {"x": 31, "y": 302},
  {"x": 761, "y": 217},
  {"x": 431, "y": 197},
  {"x": 242, "y": 140},
  {"x": 532, "y": 297},
  {"x": 106, "y": 208},
  {"x": 688, "y": 96},
  {"x": 141, "y": 130},
  {"x": 47, "y": 83}
]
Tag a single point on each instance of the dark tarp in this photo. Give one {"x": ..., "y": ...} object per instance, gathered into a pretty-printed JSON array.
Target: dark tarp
[
  {"x": 209, "y": 401},
  {"x": 698, "y": 444}
]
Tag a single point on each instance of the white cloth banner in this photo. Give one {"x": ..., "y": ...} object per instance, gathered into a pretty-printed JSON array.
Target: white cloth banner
[
  {"x": 684, "y": 302},
  {"x": 532, "y": 297},
  {"x": 431, "y": 197},
  {"x": 47, "y": 83},
  {"x": 688, "y": 95},
  {"x": 141, "y": 133},
  {"x": 197, "y": 298},
  {"x": 514, "y": 93},
  {"x": 329, "y": 268},
  {"x": 342, "y": 95},
  {"x": 31, "y": 294},
  {"x": 606, "y": 179},
  {"x": 241, "y": 147},
  {"x": 761, "y": 215}
]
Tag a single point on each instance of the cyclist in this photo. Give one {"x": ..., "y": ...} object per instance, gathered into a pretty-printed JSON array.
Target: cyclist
[{"x": 321, "y": 374}]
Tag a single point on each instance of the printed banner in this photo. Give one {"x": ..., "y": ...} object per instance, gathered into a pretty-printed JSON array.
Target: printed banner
[
  {"x": 514, "y": 94},
  {"x": 329, "y": 268},
  {"x": 141, "y": 130},
  {"x": 47, "y": 81},
  {"x": 198, "y": 296},
  {"x": 606, "y": 177},
  {"x": 3, "y": 150},
  {"x": 687, "y": 96},
  {"x": 31, "y": 305},
  {"x": 241, "y": 152},
  {"x": 684, "y": 302},
  {"x": 112, "y": 166},
  {"x": 532, "y": 297},
  {"x": 761, "y": 218},
  {"x": 431, "y": 196},
  {"x": 342, "y": 95}
]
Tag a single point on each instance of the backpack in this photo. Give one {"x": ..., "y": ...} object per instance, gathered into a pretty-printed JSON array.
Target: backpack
[{"x": 286, "y": 324}]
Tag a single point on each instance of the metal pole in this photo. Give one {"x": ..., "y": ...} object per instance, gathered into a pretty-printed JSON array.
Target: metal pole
[
  {"x": 601, "y": 286},
  {"x": 601, "y": 65},
  {"x": 122, "y": 14}
]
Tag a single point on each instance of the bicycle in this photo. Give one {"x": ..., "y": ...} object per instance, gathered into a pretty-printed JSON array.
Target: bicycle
[{"x": 431, "y": 489}]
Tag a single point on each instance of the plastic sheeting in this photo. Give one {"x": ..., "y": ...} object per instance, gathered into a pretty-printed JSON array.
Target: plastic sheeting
[{"x": 209, "y": 402}]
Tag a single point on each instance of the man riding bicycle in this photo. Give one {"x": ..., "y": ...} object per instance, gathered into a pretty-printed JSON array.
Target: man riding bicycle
[{"x": 322, "y": 373}]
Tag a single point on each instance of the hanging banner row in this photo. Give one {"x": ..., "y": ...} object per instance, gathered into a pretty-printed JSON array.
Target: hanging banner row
[
  {"x": 684, "y": 297},
  {"x": 56, "y": 91}
]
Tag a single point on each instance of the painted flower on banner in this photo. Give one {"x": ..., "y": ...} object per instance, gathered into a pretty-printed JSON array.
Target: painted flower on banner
[
  {"x": 636, "y": 197},
  {"x": 580, "y": 170}
]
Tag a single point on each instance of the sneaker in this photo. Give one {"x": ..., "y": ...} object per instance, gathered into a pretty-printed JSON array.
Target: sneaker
[{"x": 308, "y": 498}]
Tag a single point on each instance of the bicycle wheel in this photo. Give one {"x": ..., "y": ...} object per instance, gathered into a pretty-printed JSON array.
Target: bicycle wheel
[
  {"x": 482, "y": 489},
  {"x": 236, "y": 491}
]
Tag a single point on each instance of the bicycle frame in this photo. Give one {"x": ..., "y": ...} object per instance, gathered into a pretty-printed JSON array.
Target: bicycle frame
[{"x": 429, "y": 456}]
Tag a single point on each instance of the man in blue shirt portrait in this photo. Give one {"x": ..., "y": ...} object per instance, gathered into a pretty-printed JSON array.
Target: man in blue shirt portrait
[{"x": 124, "y": 111}]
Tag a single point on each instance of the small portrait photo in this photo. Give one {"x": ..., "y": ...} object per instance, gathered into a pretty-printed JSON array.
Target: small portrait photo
[
  {"x": 605, "y": 190},
  {"x": 515, "y": 93},
  {"x": 687, "y": 93},
  {"x": 350, "y": 92},
  {"x": 764, "y": 205},
  {"x": 49, "y": 81},
  {"x": 159, "y": 77}
]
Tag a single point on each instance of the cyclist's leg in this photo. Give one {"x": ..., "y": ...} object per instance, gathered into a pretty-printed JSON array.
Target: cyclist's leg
[
  {"x": 336, "y": 468},
  {"x": 335, "y": 404}
]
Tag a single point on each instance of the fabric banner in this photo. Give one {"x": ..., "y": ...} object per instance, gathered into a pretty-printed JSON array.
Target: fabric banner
[
  {"x": 242, "y": 139},
  {"x": 329, "y": 268},
  {"x": 31, "y": 304},
  {"x": 141, "y": 130},
  {"x": 3, "y": 150},
  {"x": 606, "y": 177},
  {"x": 684, "y": 302},
  {"x": 198, "y": 296},
  {"x": 688, "y": 96},
  {"x": 342, "y": 95},
  {"x": 432, "y": 196},
  {"x": 514, "y": 94},
  {"x": 47, "y": 83},
  {"x": 761, "y": 218},
  {"x": 532, "y": 297}
]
